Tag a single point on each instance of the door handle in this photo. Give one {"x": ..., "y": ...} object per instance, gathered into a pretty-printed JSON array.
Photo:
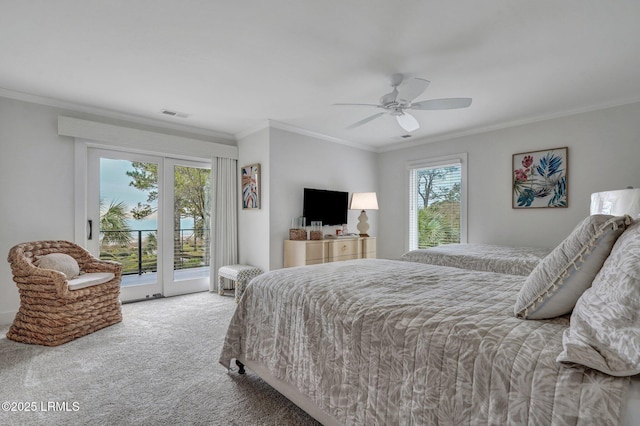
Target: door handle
[{"x": 90, "y": 237}]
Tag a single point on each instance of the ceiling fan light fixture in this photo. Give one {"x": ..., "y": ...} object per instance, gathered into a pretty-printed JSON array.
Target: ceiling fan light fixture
[{"x": 408, "y": 122}]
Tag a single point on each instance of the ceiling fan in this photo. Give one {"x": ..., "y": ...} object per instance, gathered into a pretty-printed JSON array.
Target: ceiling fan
[{"x": 401, "y": 98}]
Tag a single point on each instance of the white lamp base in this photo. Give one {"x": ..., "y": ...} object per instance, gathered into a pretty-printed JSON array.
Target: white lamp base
[{"x": 363, "y": 224}]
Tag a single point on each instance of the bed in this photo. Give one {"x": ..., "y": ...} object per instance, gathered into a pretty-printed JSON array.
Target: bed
[
  {"x": 387, "y": 342},
  {"x": 481, "y": 257}
]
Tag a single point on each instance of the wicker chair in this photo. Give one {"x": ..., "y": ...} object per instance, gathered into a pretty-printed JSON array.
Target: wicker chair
[{"x": 50, "y": 313}]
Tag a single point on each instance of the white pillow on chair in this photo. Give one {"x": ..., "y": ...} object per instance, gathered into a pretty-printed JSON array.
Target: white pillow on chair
[{"x": 59, "y": 262}]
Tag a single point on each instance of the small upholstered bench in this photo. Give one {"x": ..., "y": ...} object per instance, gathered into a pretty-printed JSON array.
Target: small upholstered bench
[{"x": 239, "y": 274}]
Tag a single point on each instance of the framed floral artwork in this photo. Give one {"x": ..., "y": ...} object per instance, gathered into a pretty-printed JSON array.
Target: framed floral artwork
[
  {"x": 251, "y": 186},
  {"x": 540, "y": 179}
]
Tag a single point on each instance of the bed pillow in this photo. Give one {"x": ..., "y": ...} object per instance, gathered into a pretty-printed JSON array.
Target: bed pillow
[
  {"x": 59, "y": 262},
  {"x": 604, "y": 333},
  {"x": 557, "y": 282}
]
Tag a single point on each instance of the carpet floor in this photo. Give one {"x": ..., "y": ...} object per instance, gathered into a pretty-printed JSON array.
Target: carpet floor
[{"x": 158, "y": 367}]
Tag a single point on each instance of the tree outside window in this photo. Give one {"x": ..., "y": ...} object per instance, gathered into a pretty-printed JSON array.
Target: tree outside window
[{"x": 436, "y": 205}]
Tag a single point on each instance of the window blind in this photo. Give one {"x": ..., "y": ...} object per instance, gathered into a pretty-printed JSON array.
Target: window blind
[{"x": 435, "y": 203}]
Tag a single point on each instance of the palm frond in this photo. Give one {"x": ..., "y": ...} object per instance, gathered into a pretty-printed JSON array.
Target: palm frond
[{"x": 549, "y": 165}]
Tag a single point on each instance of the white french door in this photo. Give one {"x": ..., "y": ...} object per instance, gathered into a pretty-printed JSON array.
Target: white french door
[
  {"x": 187, "y": 208},
  {"x": 150, "y": 213}
]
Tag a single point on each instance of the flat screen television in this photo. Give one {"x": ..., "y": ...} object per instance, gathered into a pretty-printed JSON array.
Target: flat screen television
[{"x": 329, "y": 207}]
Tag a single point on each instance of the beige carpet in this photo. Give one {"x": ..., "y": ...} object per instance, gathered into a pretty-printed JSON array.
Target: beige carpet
[{"x": 158, "y": 367}]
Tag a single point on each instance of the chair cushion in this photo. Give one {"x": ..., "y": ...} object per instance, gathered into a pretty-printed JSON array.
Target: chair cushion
[
  {"x": 59, "y": 262},
  {"x": 87, "y": 280}
]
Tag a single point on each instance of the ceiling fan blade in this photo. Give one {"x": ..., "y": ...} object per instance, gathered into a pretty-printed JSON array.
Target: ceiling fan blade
[
  {"x": 449, "y": 103},
  {"x": 408, "y": 122},
  {"x": 411, "y": 89},
  {"x": 365, "y": 121}
]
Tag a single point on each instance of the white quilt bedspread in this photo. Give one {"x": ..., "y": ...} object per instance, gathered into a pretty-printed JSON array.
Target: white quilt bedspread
[
  {"x": 481, "y": 257},
  {"x": 381, "y": 342}
]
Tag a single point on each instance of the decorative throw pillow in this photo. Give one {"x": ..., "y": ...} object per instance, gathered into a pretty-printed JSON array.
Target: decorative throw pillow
[
  {"x": 604, "y": 333},
  {"x": 557, "y": 282},
  {"x": 59, "y": 262}
]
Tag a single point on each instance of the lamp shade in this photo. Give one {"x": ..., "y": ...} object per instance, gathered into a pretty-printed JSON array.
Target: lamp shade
[
  {"x": 364, "y": 201},
  {"x": 616, "y": 203}
]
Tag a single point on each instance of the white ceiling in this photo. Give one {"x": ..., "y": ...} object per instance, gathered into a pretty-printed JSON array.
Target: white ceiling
[{"x": 233, "y": 65}]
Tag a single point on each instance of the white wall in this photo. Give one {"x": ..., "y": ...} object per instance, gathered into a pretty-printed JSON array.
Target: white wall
[
  {"x": 253, "y": 225},
  {"x": 37, "y": 182},
  {"x": 604, "y": 148},
  {"x": 36, "y": 186},
  {"x": 291, "y": 162},
  {"x": 299, "y": 161}
]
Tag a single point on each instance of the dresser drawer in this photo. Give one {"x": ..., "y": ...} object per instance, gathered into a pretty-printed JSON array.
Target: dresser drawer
[
  {"x": 369, "y": 248},
  {"x": 344, "y": 250},
  {"x": 298, "y": 253},
  {"x": 313, "y": 252}
]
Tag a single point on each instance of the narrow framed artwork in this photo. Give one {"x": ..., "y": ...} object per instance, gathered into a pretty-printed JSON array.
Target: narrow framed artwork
[
  {"x": 251, "y": 186},
  {"x": 540, "y": 179}
]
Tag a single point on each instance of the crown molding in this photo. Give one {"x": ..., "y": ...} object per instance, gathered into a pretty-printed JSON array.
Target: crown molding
[
  {"x": 509, "y": 124},
  {"x": 119, "y": 136},
  {"x": 71, "y": 106},
  {"x": 251, "y": 130},
  {"x": 305, "y": 132},
  {"x": 274, "y": 124}
]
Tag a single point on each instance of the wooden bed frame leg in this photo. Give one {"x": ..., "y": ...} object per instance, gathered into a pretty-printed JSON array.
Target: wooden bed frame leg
[{"x": 240, "y": 367}]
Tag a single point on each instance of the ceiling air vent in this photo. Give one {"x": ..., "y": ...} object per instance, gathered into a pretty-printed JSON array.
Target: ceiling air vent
[{"x": 174, "y": 113}]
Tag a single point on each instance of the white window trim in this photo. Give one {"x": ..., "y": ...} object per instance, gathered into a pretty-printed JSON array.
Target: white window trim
[{"x": 461, "y": 158}]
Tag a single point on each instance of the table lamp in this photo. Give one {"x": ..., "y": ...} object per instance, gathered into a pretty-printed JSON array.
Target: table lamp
[
  {"x": 363, "y": 201},
  {"x": 616, "y": 203}
]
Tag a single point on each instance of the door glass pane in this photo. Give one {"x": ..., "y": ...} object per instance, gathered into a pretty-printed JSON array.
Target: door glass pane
[
  {"x": 191, "y": 236},
  {"x": 128, "y": 218}
]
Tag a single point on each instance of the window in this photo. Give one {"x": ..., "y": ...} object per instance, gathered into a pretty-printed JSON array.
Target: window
[{"x": 437, "y": 201}]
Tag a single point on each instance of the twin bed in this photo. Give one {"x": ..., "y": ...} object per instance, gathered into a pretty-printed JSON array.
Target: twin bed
[
  {"x": 386, "y": 342},
  {"x": 481, "y": 257}
]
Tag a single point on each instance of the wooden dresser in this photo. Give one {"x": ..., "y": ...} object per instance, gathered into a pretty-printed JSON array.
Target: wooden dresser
[{"x": 312, "y": 252}]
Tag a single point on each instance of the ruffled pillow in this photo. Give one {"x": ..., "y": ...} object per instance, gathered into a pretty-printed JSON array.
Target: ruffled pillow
[
  {"x": 59, "y": 262},
  {"x": 604, "y": 333},
  {"x": 557, "y": 282}
]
